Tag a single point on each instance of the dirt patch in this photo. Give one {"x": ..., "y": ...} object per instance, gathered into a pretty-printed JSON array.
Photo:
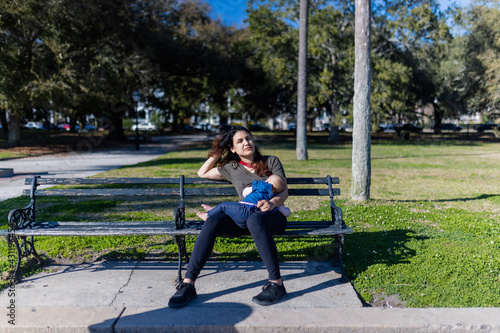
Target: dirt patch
[{"x": 385, "y": 301}]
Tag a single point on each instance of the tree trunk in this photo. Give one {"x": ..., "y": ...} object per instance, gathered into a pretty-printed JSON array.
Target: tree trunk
[
  {"x": 244, "y": 120},
  {"x": 14, "y": 130},
  {"x": 438, "y": 118},
  {"x": 301, "y": 148},
  {"x": 361, "y": 160},
  {"x": 333, "y": 136},
  {"x": 5, "y": 124}
]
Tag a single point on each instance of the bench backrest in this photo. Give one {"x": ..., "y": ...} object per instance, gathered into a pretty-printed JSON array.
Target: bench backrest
[
  {"x": 222, "y": 188},
  {"x": 180, "y": 187}
]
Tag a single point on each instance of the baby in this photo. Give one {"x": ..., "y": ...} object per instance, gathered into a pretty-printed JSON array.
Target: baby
[{"x": 239, "y": 211}]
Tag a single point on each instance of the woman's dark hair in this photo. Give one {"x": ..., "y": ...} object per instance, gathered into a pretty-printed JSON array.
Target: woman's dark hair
[{"x": 223, "y": 143}]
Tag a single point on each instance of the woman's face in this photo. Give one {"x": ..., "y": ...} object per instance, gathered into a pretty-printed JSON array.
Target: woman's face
[{"x": 243, "y": 145}]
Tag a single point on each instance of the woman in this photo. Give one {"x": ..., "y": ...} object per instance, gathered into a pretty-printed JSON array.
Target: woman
[{"x": 240, "y": 162}]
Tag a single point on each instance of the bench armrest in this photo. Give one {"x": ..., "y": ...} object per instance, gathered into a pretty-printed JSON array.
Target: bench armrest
[
  {"x": 22, "y": 218},
  {"x": 180, "y": 216}
]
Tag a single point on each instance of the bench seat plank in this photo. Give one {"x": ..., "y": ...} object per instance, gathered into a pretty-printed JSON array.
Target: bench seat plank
[
  {"x": 154, "y": 228},
  {"x": 102, "y": 229}
]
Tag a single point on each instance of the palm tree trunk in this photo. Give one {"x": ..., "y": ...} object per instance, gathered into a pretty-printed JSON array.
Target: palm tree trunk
[
  {"x": 302, "y": 84},
  {"x": 361, "y": 144}
]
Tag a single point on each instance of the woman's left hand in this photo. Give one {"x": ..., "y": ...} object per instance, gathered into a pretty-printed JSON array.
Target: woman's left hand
[{"x": 265, "y": 205}]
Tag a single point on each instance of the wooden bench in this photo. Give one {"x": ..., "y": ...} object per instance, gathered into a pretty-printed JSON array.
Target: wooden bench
[{"x": 24, "y": 225}]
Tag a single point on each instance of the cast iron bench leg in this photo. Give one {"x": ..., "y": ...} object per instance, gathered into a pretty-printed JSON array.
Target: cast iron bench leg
[
  {"x": 24, "y": 249},
  {"x": 337, "y": 257},
  {"x": 181, "y": 245}
]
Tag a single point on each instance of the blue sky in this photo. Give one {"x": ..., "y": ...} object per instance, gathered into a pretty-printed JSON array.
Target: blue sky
[{"x": 232, "y": 12}]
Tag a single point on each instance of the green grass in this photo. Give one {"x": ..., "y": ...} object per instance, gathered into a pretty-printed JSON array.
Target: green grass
[
  {"x": 430, "y": 232},
  {"x": 4, "y": 154}
]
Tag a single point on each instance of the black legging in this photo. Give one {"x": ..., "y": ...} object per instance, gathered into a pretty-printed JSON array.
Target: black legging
[{"x": 261, "y": 225}]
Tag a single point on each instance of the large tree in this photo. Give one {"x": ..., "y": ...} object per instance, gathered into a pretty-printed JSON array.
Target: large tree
[
  {"x": 23, "y": 24},
  {"x": 482, "y": 47}
]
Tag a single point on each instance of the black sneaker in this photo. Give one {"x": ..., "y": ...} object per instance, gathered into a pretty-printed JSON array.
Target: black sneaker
[
  {"x": 270, "y": 294},
  {"x": 185, "y": 293}
]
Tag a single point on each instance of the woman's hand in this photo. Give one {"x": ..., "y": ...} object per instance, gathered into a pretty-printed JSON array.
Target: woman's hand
[
  {"x": 265, "y": 205},
  {"x": 276, "y": 201}
]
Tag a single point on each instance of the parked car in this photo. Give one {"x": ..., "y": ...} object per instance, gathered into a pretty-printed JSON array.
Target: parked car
[
  {"x": 345, "y": 128},
  {"x": 189, "y": 128},
  {"x": 50, "y": 127},
  {"x": 258, "y": 128},
  {"x": 64, "y": 126},
  {"x": 411, "y": 128},
  {"x": 33, "y": 125},
  {"x": 201, "y": 126},
  {"x": 145, "y": 126},
  {"x": 387, "y": 128},
  {"x": 292, "y": 126},
  {"x": 87, "y": 128},
  {"x": 450, "y": 127},
  {"x": 483, "y": 127}
]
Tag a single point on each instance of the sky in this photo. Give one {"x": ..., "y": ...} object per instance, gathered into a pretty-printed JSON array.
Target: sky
[{"x": 232, "y": 12}]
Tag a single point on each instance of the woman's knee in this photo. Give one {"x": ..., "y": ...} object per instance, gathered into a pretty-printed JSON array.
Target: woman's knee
[
  {"x": 256, "y": 222},
  {"x": 273, "y": 223}
]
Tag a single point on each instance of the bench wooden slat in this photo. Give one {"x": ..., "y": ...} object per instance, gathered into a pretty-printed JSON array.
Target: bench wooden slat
[
  {"x": 147, "y": 228},
  {"x": 223, "y": 191},
  {"x": 103, "y": 229},
  {"x": 232, "y": 192},
  {"x": 101, "y": 181},
  {"x": 107, "y": 192},
  {"x": 194, "y": 181},
  {"x": 292, "y": 180}
]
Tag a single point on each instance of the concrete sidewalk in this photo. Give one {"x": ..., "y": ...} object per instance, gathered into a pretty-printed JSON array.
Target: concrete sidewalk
[{"x": 133, "y": 296}]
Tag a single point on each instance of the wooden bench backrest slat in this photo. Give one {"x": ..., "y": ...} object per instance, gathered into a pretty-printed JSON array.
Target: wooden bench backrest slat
[
  {"x": 213, "y": 188},
  {"x": 101, "y": 181},
  {"x": 293, "y": 180},
  {"x": 174, "y": 192},
  {"x": 187, "y": 181}
]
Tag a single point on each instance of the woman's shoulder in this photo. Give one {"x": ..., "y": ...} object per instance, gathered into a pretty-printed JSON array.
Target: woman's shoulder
[{"x": 270, "y": 158}]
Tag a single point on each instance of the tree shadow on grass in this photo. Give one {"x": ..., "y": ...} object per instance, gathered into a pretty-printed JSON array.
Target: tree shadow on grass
[
  {"x": 364, "y": 249},
  {"x": 492, "y": 197}
]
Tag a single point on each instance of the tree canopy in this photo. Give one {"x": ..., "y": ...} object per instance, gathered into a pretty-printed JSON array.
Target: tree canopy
[{"x": 87, "y": 57}]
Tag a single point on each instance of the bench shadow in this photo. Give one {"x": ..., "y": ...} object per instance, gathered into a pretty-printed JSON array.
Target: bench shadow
[
  {"x": 479, "y": 197},
  {"x": 364, "y": 249}
]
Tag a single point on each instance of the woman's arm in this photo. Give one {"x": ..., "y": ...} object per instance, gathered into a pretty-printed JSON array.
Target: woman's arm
[
  {"x": 274, "y": 202},
  {"x": 208, "y": 171}
]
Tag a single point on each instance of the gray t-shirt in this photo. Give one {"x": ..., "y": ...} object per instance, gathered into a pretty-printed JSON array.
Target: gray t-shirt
[{"x": 240, "y": 177}]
